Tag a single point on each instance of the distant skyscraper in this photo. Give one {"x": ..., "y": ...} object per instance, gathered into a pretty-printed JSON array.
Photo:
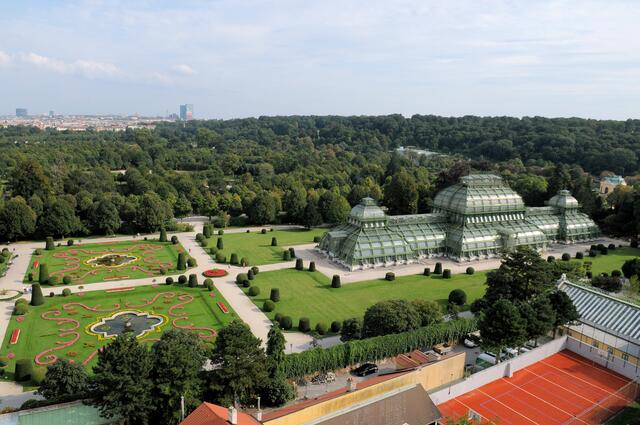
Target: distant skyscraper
[
  {"x": 51, "y": 114},
  {"x": 21, "y": 112},
  {"x": 186, "y": 112}
]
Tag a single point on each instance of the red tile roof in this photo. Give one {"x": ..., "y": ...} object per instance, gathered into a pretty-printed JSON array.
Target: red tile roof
[{"x": 212, "y": 414}]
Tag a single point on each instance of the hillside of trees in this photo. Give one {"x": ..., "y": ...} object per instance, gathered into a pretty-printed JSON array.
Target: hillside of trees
[{"x": 304, "y": 170}]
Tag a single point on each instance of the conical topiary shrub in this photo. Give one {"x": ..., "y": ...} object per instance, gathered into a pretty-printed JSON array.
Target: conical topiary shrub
[
  {"x": 335, "y": 281},
  {"x": 220, "y": 244},
  {"x": 193, "y": 281},
  {"x": 299, "y": 264},
  {"x": 182, "y": 262},
  {"x": 36, "y": 294},
  {"x": 438, "y": 269},
  {"x": 312, "y": 266},
  {"x": 163, "y": 235},
  {"x": 48, "y": 244},
  {"x": 43, "y": 276},
  {"x": 275, "y": 295},
  {"x": 274, "y": 241}
]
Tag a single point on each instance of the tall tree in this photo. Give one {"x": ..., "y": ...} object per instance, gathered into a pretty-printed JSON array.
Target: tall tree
[
  {"x": 28, "y": 178},
  {"x": 560, "y": 180},
  {"x": 564, "y": 309},
  {"x": 401, "y": 193},
  {"x": 178, "y": 359},
  {"x": 17, "y": 219},
  {"x": 153, "y": 213},
  {"x": 103, "y": 217},
  {"x": 59, "y": 219},
  {"x": 277, "y": 391},
  {"x": 64, "y": 379},
  {"x": 388, "y": 317},
  {"x": 121, "y": 384},
  {"x": 312, "y": 216},
  {"x": 333, "y": 207},
  {"x": 502, "y": 326},
  {"x": 264, "y": 209},
  {"x": 242, "y": 365},
  {"x": 295, "y": 202}
]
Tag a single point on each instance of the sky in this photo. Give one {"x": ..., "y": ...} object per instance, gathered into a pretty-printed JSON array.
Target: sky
[{"x": 240, "y": 58}]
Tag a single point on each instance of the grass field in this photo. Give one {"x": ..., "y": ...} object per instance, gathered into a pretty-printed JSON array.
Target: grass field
[
  {"x": 257, "y": 246},
  {"x": 307, "y": 294},
  {"x": 630, "y": 415},
  {"x": 73, "y": 261},
  {"x": 613, "y": 260},
  {"x": 61, "y": 326}
]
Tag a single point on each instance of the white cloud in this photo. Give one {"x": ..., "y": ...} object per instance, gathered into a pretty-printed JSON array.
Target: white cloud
[
  {"x": 4, "y": 58},
  {"x": 84, "y": 68},
  {"x": 517, "y": 60},
  {"x": 184, "y": 69}
]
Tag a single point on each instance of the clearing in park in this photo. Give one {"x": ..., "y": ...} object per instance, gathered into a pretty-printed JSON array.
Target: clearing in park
[
  {"x": 256, "y": 246},
  {"x": 75, "y": 327},
  {"x": 309, "y": 294},
  {"x": 107, "y": 261}
]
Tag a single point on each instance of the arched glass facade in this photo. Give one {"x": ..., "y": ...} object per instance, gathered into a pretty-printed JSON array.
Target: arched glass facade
[{"x": 480, "y": 217}]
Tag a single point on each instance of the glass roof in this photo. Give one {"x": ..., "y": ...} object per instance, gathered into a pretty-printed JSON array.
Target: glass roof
[
  {"x": 478, "y": 194},
  {"x": 563, "y": 200},
  {"x": 367, "y": 209}
]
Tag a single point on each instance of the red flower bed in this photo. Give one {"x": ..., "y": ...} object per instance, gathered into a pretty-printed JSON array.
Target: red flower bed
[
  {"x": 214, "y": 273},
  {"x": 15, "y": 335},
  {"x": 223, "y": 307}
]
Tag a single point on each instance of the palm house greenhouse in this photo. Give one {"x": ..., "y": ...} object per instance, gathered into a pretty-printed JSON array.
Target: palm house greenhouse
[{"x": 479, "y": 217}]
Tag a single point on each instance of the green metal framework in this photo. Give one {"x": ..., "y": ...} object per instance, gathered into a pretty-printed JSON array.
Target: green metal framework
[{"x": 480, "y": 217}]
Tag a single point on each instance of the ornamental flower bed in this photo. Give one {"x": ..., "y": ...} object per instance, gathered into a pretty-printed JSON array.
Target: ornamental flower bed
[
  {"x": 223, "y": 307},
  {"x": 15, "y": 335},
  {"x": 215, "y": 273}
]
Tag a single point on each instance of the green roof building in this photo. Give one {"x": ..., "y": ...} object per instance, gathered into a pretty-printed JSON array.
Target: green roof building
[{"x": 479, "y": 217}]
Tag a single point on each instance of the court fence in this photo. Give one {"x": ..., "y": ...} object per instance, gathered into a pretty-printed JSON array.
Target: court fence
[{"x": 609, "y": 406}]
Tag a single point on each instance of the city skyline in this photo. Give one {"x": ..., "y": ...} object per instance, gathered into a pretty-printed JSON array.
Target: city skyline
[{"x": 551, "y": 58}]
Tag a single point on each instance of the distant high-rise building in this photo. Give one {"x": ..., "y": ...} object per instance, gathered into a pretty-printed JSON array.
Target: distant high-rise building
[
  {"x": 186, "y": 112},
  {"x": 51, "y": 114},
  {"x": 21, "y": 112}
]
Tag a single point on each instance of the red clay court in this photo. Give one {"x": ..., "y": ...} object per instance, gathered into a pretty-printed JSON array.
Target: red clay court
[{"x": 563, "y": 388}]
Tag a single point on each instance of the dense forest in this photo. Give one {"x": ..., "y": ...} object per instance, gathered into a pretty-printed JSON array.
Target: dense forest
[{"x": 307, "y": 170}]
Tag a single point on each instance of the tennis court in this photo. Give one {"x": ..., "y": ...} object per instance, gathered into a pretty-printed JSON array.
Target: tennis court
[{"x": 561, "y": 389}]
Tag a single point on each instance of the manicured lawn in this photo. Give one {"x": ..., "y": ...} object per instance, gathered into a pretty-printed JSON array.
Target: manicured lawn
[
  {"x": 148, "y": 258},
  {"x": 613, "y": 260},
  {"x": 257, "y": 246},
  {"x": 60, "y": 328},
  {"x": 306, "y": 294}
]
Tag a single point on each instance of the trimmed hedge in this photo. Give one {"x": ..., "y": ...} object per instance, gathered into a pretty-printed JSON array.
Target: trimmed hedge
[
  {"x": 566, "y": 256},
  {"x": 551, "y": 259},
  {"x": 336, "y": 325},
  {"x": 208, "y": 283},
  {"x": 169, "y": 280},
  {"x": 579, "y": 255},
  {"x": 286, "y": 255},
  {"x": 427, "y": 271},
  {"x": 23, "y": 370},
  {"x": 292, "y": 251},
  {"x": 321, "y": 328},
  {"x": 234, "y": 259},
  {"x": 274, "y": 241},
  {"x": 268, "y": 306},
  {"x": 250, "y": 274},
  {"x": 182, "y": 279},
  {"x": 193, "y": 281},
  {"x": 304, "y": 324},
  {"x": 255, "y": 270},
  {"x": 299, "y": 264},
  {"x": 446, "y": 274},
  {"x": 335, "y": 281},
  {"x": 275, "y": 295},
  {"x": 244, "y": 261},
  {"x": 470, "y": 270},
  {"x": 374, "y": 349},
  {"x": 312, "y": 266},
  {"x": 253, "y": 291},
  {"x": 286, "y": 323},
  {"x": 390, "y": 276},
  {"x": 241, "y": 277},
  {"x": 438, "y": 269}
]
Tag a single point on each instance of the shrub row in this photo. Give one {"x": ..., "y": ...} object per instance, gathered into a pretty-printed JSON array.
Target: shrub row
[{"x": 374, "y": 349}]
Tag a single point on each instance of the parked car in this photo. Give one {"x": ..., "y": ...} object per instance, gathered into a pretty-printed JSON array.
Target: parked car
[
  {"x": 472, "y": 340},
  {"x": 365, "y": 369}
]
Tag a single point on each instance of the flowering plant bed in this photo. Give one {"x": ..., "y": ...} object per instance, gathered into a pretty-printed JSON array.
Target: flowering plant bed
[
  {"x": 75, "y": 327},
  {"x": 223, "y": 307},
  {"x": 15, "y": 335},
  {"x": 215, "y": 273}
]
